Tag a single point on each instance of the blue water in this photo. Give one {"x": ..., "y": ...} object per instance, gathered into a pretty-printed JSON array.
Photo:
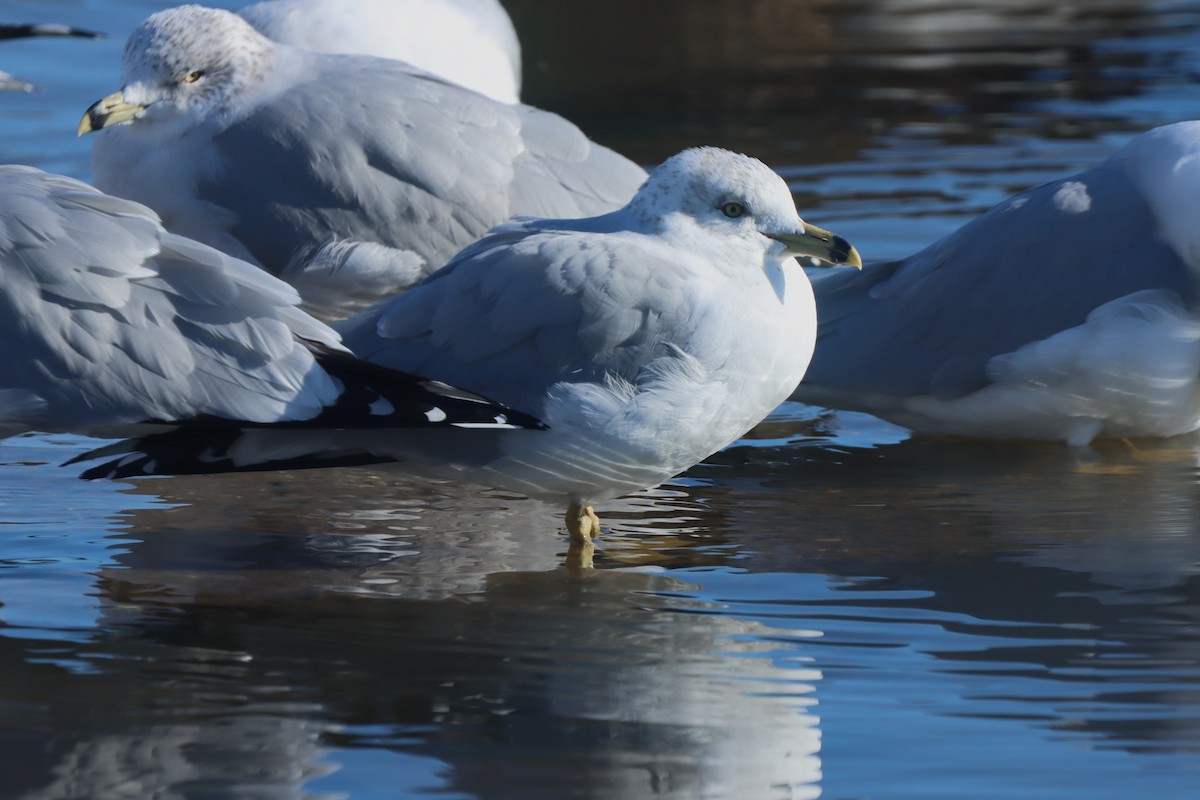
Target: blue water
[{"x": 831, "y": 608}]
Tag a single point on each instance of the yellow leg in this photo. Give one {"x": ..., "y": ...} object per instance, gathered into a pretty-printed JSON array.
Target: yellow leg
[
  {"x": 1161, "y": 455},
  {"x": 582, "y": 523},
  {"x": 579, "y": 556}
]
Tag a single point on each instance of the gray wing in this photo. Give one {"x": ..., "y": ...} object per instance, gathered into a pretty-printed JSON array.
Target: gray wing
[
  {"x": 524, "y": 309},
  {"x": 562, "y": 173},
  {"x": 1028, "y": 268},
  {"x": 107, "y": 319},
  {"x": 376, "y": 151}
]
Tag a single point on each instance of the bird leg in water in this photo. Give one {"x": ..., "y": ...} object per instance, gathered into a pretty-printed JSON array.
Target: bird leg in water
[
  {"x": 579, "y": 557},
  {"x": 582, "y": 523}
]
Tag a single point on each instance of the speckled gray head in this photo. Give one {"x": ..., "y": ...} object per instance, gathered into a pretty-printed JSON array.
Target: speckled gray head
[
  {"x": 700, "y": 180},
  {"x": 186, "y": 65},
  {"x": 731, "y": 193}
]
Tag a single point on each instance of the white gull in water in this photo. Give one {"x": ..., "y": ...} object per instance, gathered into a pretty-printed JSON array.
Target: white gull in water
[
  {"x": 110, "y": 323},
  {"x": 646, "y": 339},
  {"x": 1068, "y": 312},
  {"x": 348, "y": 176},
  {"x": 471, "y": 42}
]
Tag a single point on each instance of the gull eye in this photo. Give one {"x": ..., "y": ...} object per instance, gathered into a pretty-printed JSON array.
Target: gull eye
[
  {"x": 733, "y": 210},
  {"x": 193, "y": 76}
]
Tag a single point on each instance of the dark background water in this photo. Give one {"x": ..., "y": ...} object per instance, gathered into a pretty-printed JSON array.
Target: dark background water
[{"x": 829, "y": 608}]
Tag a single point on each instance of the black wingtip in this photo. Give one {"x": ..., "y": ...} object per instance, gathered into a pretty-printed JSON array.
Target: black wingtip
[
  {"x": 373, "y": 399},
  {"x": 204, "y": 448},
  {"x": 376, "y": 396}
]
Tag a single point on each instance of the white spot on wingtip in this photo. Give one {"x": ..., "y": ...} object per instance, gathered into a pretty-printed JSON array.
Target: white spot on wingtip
[
  {"x": 500, "y": 426},
  {"x": 1072, "y": 198},
  {"x": 435, "y": 414},
  {"x": 382, "y": 408}
]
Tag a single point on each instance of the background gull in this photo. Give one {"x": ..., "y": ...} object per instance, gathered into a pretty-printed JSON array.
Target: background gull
[
  {"x": 646, "y": 339},
  {"x": 109, "y": 321},
  {"x": 31, "y": 30},
  {"x": 471, "y": 42},
  {"x": 25, "y": 31},
  {"x": 1068, "y": 312},
  {"x": 350, "y": 177}
]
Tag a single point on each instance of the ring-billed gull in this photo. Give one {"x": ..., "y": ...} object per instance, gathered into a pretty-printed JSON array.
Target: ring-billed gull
[
  {"x": 109, "y": 321},
  {"x": 1066, "y": 313},
  {"x": 646, "y": 339},
  {"x": 348, "y": 176},
  {"x": 471, "y": 42}
]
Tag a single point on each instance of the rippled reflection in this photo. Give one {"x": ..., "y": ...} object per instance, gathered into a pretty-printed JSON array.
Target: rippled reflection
[
  {"x": 813, "y": 82},
  {"x": 260, "y": 657},
  {"x": 756, "y": 629}
]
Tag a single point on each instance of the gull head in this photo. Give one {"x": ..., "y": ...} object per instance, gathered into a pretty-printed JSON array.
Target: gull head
[
  {"x": 182, "y": 67},
  {"x": 707, "y": 191}
]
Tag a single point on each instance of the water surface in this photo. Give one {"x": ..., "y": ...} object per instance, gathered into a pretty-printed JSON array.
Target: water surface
[{"x": 831, "y": 608}]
